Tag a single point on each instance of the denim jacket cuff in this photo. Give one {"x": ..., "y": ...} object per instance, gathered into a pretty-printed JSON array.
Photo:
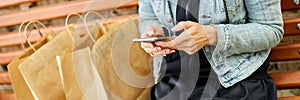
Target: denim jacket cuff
[{"x": 222, "y": 44}]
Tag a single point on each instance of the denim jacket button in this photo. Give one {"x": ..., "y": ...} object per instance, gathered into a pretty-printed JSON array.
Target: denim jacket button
[
  {"x": 220, "y": 61},
  {"x": 222, "y": 9},
  {"x": 207, "y": 50},
  {"x": 169, "y": 20}
]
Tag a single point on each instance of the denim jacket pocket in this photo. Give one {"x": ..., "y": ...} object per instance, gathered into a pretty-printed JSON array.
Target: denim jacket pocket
[
  {"x": 241, "y": 12},
  {"x": 236, "y": 11}
]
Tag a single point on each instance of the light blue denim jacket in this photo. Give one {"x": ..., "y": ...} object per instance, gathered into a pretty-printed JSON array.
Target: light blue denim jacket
[{"x": 255, "y": 26}]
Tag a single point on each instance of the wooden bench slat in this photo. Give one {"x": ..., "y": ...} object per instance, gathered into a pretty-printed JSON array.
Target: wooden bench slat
[
  {"x": 12, "y": 38},
  {"x": 286, "y": 52},
  {"x": 7, "y": 96},
  {"x": 60, "y": 10},
  {"x": 290, "y": 98},
  {"x": 6, "y": 57},
  {"x": 283, "y": 52},
  {"x": 286, "y": 80},
  {"x": 4, "y": 78},
  {"x": 7, "y": 3},
  {"x": 291, "y": 26},
  {"x": 289, "y": 5}
]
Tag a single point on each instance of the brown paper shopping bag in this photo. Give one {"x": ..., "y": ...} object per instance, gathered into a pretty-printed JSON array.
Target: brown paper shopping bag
[
  {"x": 77, "y": 69},
  {"x": 40, "y": 70},
  {"x": 80, "y": 77},
  {"x": 123, "y": 66},
  {"x": 20, "y": 87},
  {"x": 21, "y": 90}
]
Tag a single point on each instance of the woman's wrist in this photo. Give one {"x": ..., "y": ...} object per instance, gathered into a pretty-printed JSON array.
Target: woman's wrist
[{"x": 211, "y": 33}]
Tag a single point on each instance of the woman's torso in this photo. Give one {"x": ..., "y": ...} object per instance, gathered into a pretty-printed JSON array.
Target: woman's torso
[{"x": 203, "y": 16}]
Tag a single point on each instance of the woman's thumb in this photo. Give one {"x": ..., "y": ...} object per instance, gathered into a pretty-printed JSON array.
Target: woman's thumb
[
  {"x": 150, "y": 31},
  {"x": 178, "y": 27}
]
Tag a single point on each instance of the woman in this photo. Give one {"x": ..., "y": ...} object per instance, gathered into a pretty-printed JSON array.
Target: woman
[{"x": 224, "y": 42}]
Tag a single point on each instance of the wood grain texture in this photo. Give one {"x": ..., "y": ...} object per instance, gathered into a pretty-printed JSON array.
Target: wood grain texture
[
  {"x": 7, "y": 57},
  {"x": 7, "y": 96},
  {"x": 285, "y": 52},
  {"x": 286, "y": 80},
  {"x": 61, "y": 10},
  {"x": 291, "y": 26},
  {"x": 8, "y": 3},
  {"x": 289, "y": 5},
  {"x": 4, "y": 78},
  {"x": 10, "y": 39}
]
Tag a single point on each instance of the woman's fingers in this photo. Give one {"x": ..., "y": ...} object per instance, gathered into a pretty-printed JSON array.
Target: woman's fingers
[
  {"x": 150, "y": 30},
  {"x": 183, "y": 25},
  {"x": 177, "y": 28},
  {"x": 150, "y": 50},
  {"x": 153, "y": 31},
  {"x": 166, "y": 44},
  {"x": 177, "y": 42},
  {"x": 162, "y": 52},
  {"x": 147, "y": 45},
  {"x": 192, "y": 39},
  {"x": 157, "y": 50}
]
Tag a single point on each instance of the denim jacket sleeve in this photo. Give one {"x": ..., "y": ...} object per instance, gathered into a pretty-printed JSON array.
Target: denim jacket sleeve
[
  {"x": 255, "y": 26},
  {"x": 263, "y": 30},
  {"x": 147, "y": 15}
]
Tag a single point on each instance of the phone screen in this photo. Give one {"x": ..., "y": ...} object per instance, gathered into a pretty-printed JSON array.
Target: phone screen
[{"x": 153, "y": 39}]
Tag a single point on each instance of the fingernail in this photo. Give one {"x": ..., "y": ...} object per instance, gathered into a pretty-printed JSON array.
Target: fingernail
[
  {"x": 167, "y": 50},
  {"x": 176, "y": 28},
  {"x": 151, "y": 46},
  {"x": 157, "y": 44},
  {"x": 158, "y": 48},
  {"x": 151, "y": 32},
  {"x": 173, "y": 51}
]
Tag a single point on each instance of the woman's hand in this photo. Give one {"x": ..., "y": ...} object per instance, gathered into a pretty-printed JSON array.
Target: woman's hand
[
  {"x": 192, "y": 39},
  {"x": 152, "y": 48}
]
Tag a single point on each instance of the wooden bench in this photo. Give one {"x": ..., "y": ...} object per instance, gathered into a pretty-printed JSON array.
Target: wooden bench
[
  {"x": 7, "y": 3},
  {"x": 283, "y": 52},
  {"x": 45, "y": 13},
  {"x": 288, "y": 51}
]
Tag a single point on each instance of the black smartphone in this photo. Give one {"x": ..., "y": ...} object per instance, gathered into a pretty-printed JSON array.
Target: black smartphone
[{"x": 152, "y": 39}]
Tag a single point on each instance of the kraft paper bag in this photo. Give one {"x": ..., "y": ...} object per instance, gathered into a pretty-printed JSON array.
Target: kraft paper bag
[
  {"x": 40, "y": 70},
  {"x": 81, "y": 80},
  {"x": 20, "y": 87},
  {"x": 124, "y": 67},
  {"x": 80, "y": 77}
]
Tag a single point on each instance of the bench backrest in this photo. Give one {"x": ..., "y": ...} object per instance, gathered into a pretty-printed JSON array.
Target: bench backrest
[
  {"x": 45, "y": 13},
  {"x": 282, "y": 52},
  {"x": 288, "y": 51}
]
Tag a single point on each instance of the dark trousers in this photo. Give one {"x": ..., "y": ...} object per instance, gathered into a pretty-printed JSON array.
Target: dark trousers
[
  {"x": 248, "y": 89},
  {"x": 258, "y": 86}
]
